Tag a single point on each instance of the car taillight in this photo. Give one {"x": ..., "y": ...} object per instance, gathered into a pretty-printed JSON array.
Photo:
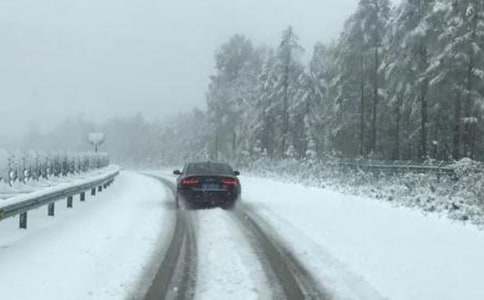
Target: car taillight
[
  {"x": 230, "y": 182},
  {"x": 190, "y": 182}
]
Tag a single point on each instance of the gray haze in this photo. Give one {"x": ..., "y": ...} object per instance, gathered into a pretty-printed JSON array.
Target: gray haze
[{"x": 104, "y": 58}]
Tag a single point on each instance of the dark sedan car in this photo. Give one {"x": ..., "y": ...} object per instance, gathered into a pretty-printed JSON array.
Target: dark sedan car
[{"x": 207, "y": 184}]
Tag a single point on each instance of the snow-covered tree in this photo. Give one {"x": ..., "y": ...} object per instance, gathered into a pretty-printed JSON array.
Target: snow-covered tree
[
  {"x": 289, "y": 68},
  {"x": 357, "y": 85},
  {"x": 228, "y": 93},
  {"x": 458, "y": 67}
]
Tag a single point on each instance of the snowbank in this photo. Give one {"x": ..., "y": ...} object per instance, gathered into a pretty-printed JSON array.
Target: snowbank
[
  {"x": 85, "y": 178},
  {"x": 98, "y": 250},
  {"x": 459, "y": 197},
  {"x": 399, "y": 251},
  {"x": 18, "y": 188}
]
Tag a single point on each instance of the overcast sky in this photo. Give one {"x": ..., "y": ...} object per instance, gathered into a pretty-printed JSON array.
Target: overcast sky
[{"x": 104, "y": 58}]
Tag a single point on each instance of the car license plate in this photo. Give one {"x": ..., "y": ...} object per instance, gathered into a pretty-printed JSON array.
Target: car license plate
[{"x": 210, "y": 186}]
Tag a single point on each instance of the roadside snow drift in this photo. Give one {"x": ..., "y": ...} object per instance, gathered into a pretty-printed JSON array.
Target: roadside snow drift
[
  {"x": 104, "y": 248},
  {"x": 402, "y": 253},
  {"x": 41, "y": 186}
]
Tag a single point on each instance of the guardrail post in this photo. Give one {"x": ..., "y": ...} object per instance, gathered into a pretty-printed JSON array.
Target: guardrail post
[
  {"x": 51, "y": 209},
  {"x": 93, "y": 192},
  {"x": 83, "y": 196},
  {"x": 23, "y": 220},
  {"x": 69, "y": 202},
  {"x": 100, "y": 188}
]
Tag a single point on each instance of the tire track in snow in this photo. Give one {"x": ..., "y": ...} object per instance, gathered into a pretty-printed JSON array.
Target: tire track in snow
[
  {"x": 228, "y": 267},
  {"x": 294, "y": 280},
  {"x": 176, "y": 278}
]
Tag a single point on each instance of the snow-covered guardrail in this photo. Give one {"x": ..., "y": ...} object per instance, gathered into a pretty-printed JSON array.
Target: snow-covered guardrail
[
  {"x": 20, "y": 205},
  {"x": 34, "y": 165}
]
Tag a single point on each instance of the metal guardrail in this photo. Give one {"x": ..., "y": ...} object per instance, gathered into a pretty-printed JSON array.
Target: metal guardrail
[
  {"x": 33, "y": 166},
  {"x": 397, "y": 166},
  {"x": 21, "y": 207}
]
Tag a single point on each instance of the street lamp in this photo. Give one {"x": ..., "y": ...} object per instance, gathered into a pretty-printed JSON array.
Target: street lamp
[{"x": 96, "y": 139}]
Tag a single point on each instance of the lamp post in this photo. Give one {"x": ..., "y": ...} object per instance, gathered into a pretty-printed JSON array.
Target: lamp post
[{"x": 96, "y": 139}]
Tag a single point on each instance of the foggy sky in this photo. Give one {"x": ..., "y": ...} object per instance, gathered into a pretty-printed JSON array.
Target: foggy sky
[{"x": 104, "y": 58}]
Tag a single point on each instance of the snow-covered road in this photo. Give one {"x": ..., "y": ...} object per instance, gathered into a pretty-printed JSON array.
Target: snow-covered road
[
  {"x": 354, "y": 247},
  {"x": 283, "y": 240},
  {"x": 237, "y": 257}
]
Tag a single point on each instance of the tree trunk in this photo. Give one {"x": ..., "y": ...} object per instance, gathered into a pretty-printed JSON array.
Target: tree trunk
[
  {"x": 468, "y": 111},
  {"x": 398, "y": 117},
  {"x": 375, "y": 104},
  {"x": 285, "y": 113},
  {"x": 407, "y": 141},
  {"x": 457, "y": 127},
  {"x": 307, "y": 131},
  {"x": 267, "y": 121},
  {"x": 423, "y": 127},
  {"x": 423, "y": 104},
  {"x": 362, "y": 117}
]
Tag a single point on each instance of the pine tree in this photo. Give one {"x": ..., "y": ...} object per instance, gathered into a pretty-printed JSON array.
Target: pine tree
[
  {"x": 359, "y": 62},
  {"x": 460, "y": 64},
  {"x": 228, "y": 92},
  {"x": 263, "y": 125},
  {"x": 288, "y": 55}
]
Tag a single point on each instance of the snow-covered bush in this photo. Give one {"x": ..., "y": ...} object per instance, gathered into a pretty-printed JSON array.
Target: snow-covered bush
[
  {"x": 458, "y": 194},
  {"x": 32, "y": 165},
  {"x": 4, "y": 164}
]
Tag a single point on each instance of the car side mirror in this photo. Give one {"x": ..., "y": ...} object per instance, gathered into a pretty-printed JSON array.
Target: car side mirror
[
  {"x": 177, "y": 172},
  {"x": 236, "y": 173}
]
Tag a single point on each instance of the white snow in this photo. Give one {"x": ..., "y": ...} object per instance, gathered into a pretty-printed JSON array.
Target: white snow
[
  {"x": 358, "y": 248},
  {"x": 103, "y": 248},
  {"x": 60, "y": 184},
  {"x": 228, "y": 268},
  {"x": 42, "y": 186},
  {"x": 402, "y": 253}
]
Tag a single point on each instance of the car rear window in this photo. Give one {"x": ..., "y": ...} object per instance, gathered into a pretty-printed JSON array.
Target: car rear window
[{"x": 209, "y": 169}]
